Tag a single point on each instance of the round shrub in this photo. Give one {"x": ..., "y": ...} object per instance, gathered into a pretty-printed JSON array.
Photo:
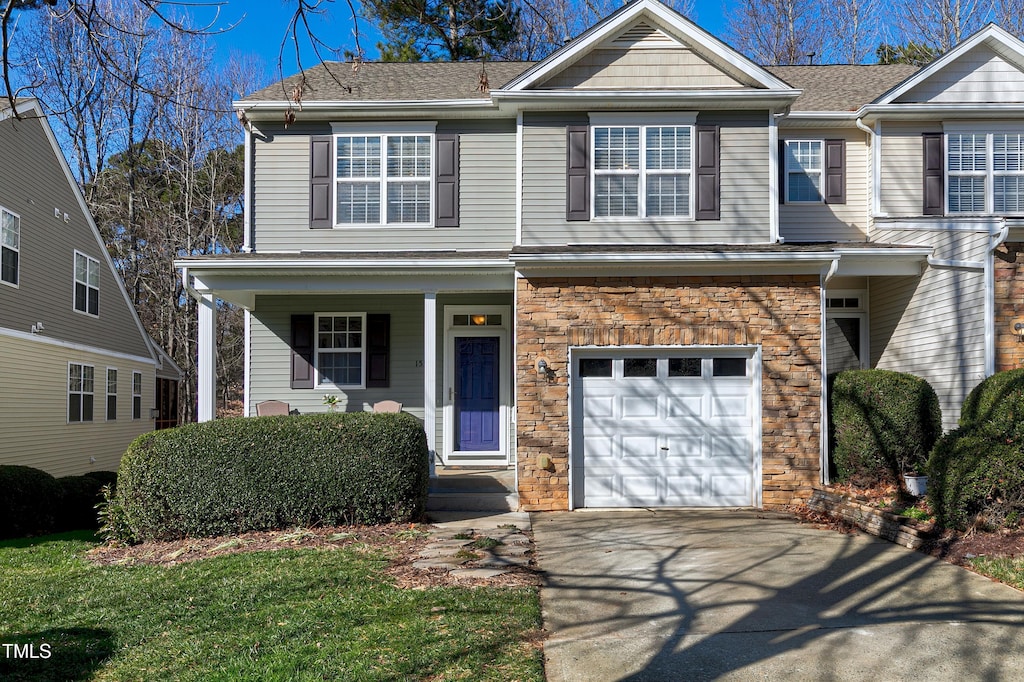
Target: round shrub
[
  {"x": 884, "y": 424},
  {"x": 79, "y": 497},
  {"x": 997, "y": 405},
  {"x": 104, "y": 478},
  {"x": 28, "y": 504},
  {"x": 243, "y": 474},
  {"x": 976, "y": 479}
]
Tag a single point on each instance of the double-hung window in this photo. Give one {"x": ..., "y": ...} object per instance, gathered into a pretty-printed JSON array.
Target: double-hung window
[
  {"x": 81, "y": 387},
  {"x": 340, "y": 349},
  {"x": 111, "y": 394},
  {"x": 383, "y": 179},
  {"x": 804, "y": 169},
  {"x": 87, "y": 284},
  {"x": 985, "y": 172},
  {"x": 136, "y": 395},
  {"x": 10, "y": 247},
  {"x": 643, "y": 171}
]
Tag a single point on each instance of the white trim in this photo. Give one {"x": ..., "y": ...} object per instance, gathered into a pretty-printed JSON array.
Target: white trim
[
  {"x": 378, "y": 128},
  {"x": 966, "y": 223},
  {"x": 773, "y": 179},
  {"x": 75, "y": 283},
  {"x": 820, "y": 172},
  {"x": 317, "y": 384},
  {"x": 678, "y": 258},
  {"x": 247, "y": 183},
  {"x": 956, "y": 264},
  {"x": 416, "y": 266},
  {"x": 247, "y": 362},
  {"x": 78, "y": 347},
  {"x": 13, "y": 285},
  {"x": 519, "y": 178},
  {"x": 983, "y": 127},
  {"x": 642, "y": 119},
  {"x": 996, "y": 239},
  {"x": 68, "y": 392},
  {"x": 206, "y": 364},
  {"x": 450, "y": 455},
  {"x": 430, "y": 375}
]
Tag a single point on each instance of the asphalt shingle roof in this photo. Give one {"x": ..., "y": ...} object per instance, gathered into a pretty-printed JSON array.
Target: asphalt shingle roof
[{"x": 841, "y": 87}]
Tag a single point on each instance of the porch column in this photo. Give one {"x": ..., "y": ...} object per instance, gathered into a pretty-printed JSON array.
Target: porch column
[
  {"x": 206, "y": 363},
  {"x": 430, "y": 374}
]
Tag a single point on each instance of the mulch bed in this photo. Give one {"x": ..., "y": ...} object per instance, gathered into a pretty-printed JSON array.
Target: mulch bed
[{"x": 401, "y": 542}]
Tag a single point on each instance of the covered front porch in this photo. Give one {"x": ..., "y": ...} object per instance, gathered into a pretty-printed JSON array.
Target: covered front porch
[{"x": 343, "y": 332}]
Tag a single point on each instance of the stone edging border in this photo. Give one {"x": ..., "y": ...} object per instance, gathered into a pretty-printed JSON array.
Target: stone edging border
[{"x": 883, "y": 524}]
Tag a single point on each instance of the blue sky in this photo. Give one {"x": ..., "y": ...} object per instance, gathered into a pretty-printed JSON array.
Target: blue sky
[{"x": 260, "y": 27}]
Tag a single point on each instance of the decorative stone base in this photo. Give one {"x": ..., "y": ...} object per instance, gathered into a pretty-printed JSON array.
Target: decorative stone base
[{"x": 870, "y": 519}]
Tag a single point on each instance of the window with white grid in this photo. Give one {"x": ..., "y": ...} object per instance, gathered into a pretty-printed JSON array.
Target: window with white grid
[
  {"x": 81, "y": 392},
  {"x": 1007, "y": 173},
  {"x": 804, "y": 161},
  {"x": 87, "y": 284},
  {"x": 985, "y": 173},
  {"x": 384, "y": 179},
  {"x": 642, "y": 171},
  {"x": 340, "y": 345},
  {"x": 967, "y": 169},
  {"x": 10, "y": 247}
]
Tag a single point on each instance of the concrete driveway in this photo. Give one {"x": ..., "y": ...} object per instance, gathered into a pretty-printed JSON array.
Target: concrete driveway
[{"x": 744, "y": 595}]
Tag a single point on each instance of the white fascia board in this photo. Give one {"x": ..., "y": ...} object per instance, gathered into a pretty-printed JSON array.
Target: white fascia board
[
  {"x": 937, "y": 111},
  {"x": 414, "y": 266},
  {"x": 672, "y": 20},
  {"x": 78, "y": 347},
  {"x": 669, "y": 259},
  {"x": 727, "y": 96},
  {"x": 990, "y": 32},
  {"x": 272, "y": 110},
  {"x": 876, "y": 262}
]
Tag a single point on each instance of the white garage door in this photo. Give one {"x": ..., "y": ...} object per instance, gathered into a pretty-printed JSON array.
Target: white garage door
[{"x": 673, "y": 430}]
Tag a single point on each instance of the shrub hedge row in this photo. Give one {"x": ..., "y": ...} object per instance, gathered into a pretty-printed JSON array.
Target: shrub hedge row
[
  {"x": 35, "y": 503},
  {"x": 884, "y": 424},
  {"x": 238, "y": 475}
]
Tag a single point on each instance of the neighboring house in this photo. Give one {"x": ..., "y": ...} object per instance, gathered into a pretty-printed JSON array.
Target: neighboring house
[
  {"x": 626, "y": 269},
  {"x": 78, "y": 379}
]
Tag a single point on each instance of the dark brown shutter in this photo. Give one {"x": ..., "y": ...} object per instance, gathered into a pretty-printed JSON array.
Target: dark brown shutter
[
  {"x": 577, "y": 173},
  {"x": 378, "y": 342},
  {"x": 934, "y": 176},
  {"x": 782, "y": 171},
  {"x": 302, "y": 351},
  {"x": 708, "y": 173},
  {"x": 321, "y": 182},
  {"x": 835, "y": 172},
  {"x": 447, "y": 159}
]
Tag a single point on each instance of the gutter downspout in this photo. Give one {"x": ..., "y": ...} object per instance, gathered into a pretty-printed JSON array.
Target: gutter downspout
[
  {"x": 188, "y": 286},
  {"x": 872, "y": 169},
  {"x": 995, "y": 241},
  {"x": 826, "y": 276}
]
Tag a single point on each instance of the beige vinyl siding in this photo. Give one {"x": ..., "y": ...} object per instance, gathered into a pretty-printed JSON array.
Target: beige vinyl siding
[
  {"x": 487, "y": 172},
  {"x": 35, "y": 431},
  {"x": 901, "y": 167},
  {"x": 933, "y": 325},
  {"x": 34, "y": 187},
  {"x": 744, "y": 189},
  {"x": 663, "y": 67},
  {"x": 832, "y": 222},
  {"x": 981, "y": 76}
]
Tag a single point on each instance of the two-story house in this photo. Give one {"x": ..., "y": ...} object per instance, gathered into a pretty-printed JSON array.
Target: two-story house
[
  {"x": 627, "y": 269},
  {"x": 79, "y": 376}
]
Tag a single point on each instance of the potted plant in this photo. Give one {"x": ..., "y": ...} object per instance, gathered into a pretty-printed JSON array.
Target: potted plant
[{"x": 915, "y": 483}]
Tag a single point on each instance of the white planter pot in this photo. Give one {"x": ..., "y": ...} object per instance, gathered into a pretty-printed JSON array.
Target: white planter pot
[{"x": 916, "y": 485}]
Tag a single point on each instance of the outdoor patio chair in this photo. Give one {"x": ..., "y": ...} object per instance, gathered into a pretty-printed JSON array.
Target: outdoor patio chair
[
  {"x": 387, "y": 406},
  {"x": 271, "y": 407}
]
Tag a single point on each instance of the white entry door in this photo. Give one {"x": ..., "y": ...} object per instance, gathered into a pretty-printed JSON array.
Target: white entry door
[{"x": 668, "y": 429}]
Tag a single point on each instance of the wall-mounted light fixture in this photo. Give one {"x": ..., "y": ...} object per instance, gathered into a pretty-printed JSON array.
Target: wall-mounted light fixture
[
  {"x": 1018, "y": 329},
  {"x": 154, "y": 412},
  {"x": 544, "y": 369},
  {"x": 37, "y": 327}
]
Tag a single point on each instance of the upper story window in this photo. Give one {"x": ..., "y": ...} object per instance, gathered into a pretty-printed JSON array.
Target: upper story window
[
  {"x": 383, "y": 179},
  {"x": 10, "y": 247},
  {"x": 340, "y": 346},
  {"x": 643, "y": 171},
  {"x": 87, "y": 284},
  {"x": 985, "y": 172},
  {"x": 804, "y": 169}
]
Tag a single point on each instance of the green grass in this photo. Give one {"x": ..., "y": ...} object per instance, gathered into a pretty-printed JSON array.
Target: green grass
[
  {"x": 1004, "y": 569},
  {"x": 289, "y": 614}
]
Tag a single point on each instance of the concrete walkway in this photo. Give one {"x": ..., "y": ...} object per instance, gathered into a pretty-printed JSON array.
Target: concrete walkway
[{"x": 742, "y": 595}]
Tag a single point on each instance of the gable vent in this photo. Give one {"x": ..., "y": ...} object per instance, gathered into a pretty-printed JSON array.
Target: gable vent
[{"x": 641, "y": 35}]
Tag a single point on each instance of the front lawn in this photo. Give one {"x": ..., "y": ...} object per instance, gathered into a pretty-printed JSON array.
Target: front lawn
[{"x": 291, "y": 614}]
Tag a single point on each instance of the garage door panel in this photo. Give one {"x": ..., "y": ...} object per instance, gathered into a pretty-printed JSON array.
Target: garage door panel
[
  {"x": 598, "y": 406},
  {"x": 683, "y": 407},
  {"x": 640, "y": 448},
  {"x": 640, "y": 489},
  {"x": 683, "y": 491},
  {"x": 730, "y": 489},
  {"x": 730, "y": 406},
  {"x": 685, "y": 447},
  {"x": 639, "y": 407}
]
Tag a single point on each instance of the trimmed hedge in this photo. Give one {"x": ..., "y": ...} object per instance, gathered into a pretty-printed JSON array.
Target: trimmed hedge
[
  {"x": 884, "y": 424},
  {"x": 244, "y": 474},
  {"x": 28, "y": 501},
  {"x": 976, "y": 472},
  {"x": 77, "y": 506}
]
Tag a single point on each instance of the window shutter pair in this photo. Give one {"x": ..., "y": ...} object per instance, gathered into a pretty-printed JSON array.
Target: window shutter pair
[
  {"x": 321, "y": 181},
  {"x": 577, "y": 173},
  {"x": 377, "y": 348},
  {"x": 833, "y": 172}
]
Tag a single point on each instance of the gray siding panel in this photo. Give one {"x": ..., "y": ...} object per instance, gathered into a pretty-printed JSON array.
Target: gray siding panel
[
  {"x": 744, "y": 189},
  {"x": 832, "y": 222},
  {"x": 902, "y": 168},
  {"x": 35, "y": 187},
  {"x": 486, "y": 195},
  {"x": 933, "y": 325}
]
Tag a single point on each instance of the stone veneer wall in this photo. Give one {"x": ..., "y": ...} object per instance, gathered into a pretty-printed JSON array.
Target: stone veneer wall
[
  {"x": 781, "y": 313},
  {"x": 1009, "y": 295}
]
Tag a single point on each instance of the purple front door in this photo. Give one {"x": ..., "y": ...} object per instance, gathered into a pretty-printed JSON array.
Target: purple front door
[{"x": 477, "y": 423}]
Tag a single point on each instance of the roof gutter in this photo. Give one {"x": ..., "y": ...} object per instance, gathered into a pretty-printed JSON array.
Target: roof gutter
[{"x": 873, "y": 169}]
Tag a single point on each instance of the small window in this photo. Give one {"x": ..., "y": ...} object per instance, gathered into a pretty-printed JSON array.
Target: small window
[
  {"x": 81, "y": 387},
  {"x": 340, "y": 344},
  {"x": 684, "y": 367},
  {"x": 640, "y": 367},
  {"x": 596, "y": 367},
  {"x": 804, "y": 159},
  {"x": 136, "y": 395},
  {"x": 87, "y": 284},
  {"x": 10, "y": 247},
  {"x": 111, "y": 394},
  {"x": 729, "y": 367},
  {"x": 476, "y": 320}
]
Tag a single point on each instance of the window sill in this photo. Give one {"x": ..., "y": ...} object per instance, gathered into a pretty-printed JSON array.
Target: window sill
[{"x": 661, "y": 220}]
